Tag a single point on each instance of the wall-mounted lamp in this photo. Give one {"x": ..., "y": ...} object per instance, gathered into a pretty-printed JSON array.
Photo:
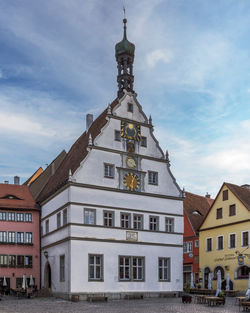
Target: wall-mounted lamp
[{"x": 46, "y": 254}]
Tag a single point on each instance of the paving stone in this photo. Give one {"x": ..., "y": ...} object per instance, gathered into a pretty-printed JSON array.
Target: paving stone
[{"x": 55, "y": 305}]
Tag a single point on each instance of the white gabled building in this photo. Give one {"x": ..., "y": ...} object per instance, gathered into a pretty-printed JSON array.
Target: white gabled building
[{"x": 112, "y": 214}]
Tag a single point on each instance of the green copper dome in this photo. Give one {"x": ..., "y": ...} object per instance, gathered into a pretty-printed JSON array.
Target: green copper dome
[{"x": 124, "y": 46}]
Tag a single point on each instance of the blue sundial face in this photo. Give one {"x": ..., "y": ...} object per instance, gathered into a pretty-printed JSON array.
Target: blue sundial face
[{"x": 130, "y": 131}]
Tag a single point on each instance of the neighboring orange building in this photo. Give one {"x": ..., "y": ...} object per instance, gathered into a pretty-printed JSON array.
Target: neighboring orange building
[
  {"x": 195, "y": 210},
  {"x": 19, "y": 236}
]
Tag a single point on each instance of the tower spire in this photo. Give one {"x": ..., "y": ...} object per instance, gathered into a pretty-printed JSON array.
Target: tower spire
[{"x": 124, "y": 52}]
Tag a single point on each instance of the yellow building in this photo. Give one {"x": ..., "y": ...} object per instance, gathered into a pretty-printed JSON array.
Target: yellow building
[{"x": 224, "y": 238}]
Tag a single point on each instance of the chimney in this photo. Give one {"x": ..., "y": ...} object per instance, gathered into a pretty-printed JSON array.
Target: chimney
[
  {"x": 16, "y": 180},
  {"x": 89, "y": 121},
  {"x": 6, "y": 181},
  {"x": 208, "y": 195}
]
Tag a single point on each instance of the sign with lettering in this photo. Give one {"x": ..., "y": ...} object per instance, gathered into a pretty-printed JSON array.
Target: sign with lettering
[{"x": 131, "y": 236}]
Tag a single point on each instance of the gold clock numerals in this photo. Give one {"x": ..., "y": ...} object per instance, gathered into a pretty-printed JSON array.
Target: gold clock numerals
[{"x": 131, "y": 181}]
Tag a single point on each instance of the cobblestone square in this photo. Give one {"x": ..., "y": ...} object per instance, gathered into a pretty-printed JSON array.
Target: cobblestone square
[{"x": 55, "y": 305}]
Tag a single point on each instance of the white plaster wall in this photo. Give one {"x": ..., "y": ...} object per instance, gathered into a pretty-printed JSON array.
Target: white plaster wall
[
  {"x": 56, "y": 202},
  {"x": 54, "y": 260},
  {"x": 120, "y": 234},
  {"x": 165, "y": 185},
  {"x": 126, "y": 200},
  {"x": 111, "y": 283},
  {"x": 122, "y": 111}
]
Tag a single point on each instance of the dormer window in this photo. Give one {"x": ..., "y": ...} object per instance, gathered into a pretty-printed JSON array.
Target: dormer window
[
  {"x": 196, "y": 212},
  {"x": 11, "y": 197},
  {"x": 130, "y": 107}
]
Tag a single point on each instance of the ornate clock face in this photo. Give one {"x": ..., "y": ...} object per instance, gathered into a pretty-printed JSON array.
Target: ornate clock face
[
  {"x": 130, "y": 131},
  {"x": 131, "y": 181},
  {"x": 131, "y": 163}
]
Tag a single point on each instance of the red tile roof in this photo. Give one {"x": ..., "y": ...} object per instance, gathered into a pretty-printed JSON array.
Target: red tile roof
[
  {"x": 22, "y": 197},
  {"x": 242, "y": 193},
  {"x": 75, "y": 156},
  {"x": 196, "y": 208}
]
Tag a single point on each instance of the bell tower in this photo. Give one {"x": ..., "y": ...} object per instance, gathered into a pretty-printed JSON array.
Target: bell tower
[{"x": 124, "y": 53}]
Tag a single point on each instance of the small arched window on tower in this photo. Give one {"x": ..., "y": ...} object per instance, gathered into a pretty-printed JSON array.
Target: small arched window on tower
[{"x": 130, "y": 107}]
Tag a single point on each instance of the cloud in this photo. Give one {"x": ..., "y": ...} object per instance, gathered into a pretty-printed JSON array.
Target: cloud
[
  {"x": 22, "y": 124},
  {"x": 157, "y": 56}
]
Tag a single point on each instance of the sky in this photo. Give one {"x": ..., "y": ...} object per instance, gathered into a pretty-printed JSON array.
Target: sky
[{"x": 192, "y": 74}]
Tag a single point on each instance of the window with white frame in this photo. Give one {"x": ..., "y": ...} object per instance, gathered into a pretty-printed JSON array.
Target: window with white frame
[
  {"x": 20, "y": 237},
  {"x": 11, "y": 237},
  {"x": 3, "y": 260},
  {"x": 138, "y": 221},
  {"x": 187, "y": 246},
  {"x": 196, "y": 243},
  {"x": 89, "y": 216},
  {"x": 62, "y": 268},
  {"x": 164, "y": 269},
  {"x": 169, "y": 224},
  {"x": 28, "y": 261},
  {"x": 96, "y": 267},
  {"x": 232, "y": 241},
  {"x": 125, "y": 220},
  {"x": 109, "y": 170},
  {"x": 20, "y": 217},
  {"x": 209, "y": 246},
  {"x": 12, "y": 261},
  {"x": 65, "y": 216},
  {"x": 154, "y": 223},
  {"x": 108, "y": 218},
  {"x": 152, "y": 178},
  {"x": 11, "y": 216},
  {"x": 220, "y": 244},
  {"x": 28, "y": 217},
  {"x": 245, "y": 239},
  {"x": 137, "y": 268},
  {"x": 29, "y": 237},
  {"x": 131, "y": 268},
  {"x": 2, "y": 216},
  {"x": 3, "y": 236}
]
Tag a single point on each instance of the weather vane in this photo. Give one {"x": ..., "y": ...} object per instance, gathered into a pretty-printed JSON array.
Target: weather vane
[{"x": 124, "y": 10}]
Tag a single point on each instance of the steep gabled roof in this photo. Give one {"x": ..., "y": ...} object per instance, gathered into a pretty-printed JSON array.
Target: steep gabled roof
[
  {"x": 16, "y": 196},
  {"x": 37, "y": 185},
  {"x": 33, "y": 176},
  {"x": 242, "y": 193},
  {"x": 196, "y": 208},
  {"x": 75, "y": 156}
]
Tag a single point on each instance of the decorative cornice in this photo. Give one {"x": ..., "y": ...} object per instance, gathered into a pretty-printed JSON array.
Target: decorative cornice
[{"x": 224, "y": 225}]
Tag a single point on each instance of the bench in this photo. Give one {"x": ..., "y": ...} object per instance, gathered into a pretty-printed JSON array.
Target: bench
[
  {"x": 134, "y": 296},
  {"x": 212, "y": 301},
  {"x": 245, "y": 305},
  {"x": 95, "y": 298}
]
